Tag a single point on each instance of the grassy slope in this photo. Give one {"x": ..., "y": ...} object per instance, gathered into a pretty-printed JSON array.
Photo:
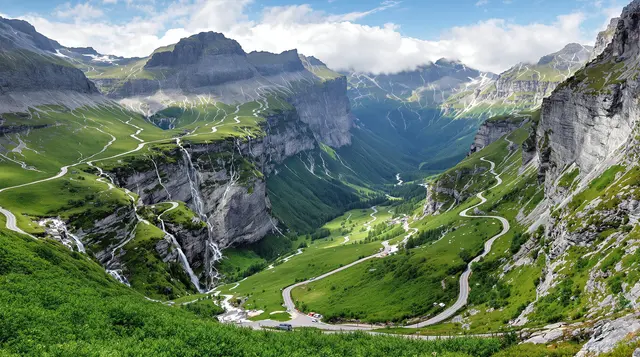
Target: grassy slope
[
  {"x": 264, "y": 289},
  {"x": 305, "y": 201},
  {"x": 58, "y": 303},
  {"x": 408, "y": 285}
]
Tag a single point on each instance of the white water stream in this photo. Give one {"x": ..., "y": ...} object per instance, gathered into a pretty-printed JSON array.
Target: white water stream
[
  {"x": 183, "y": 258},
  {"x": 213, "y": 254}
]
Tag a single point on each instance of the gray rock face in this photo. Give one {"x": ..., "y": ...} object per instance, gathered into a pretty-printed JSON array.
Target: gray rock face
[
  {"x": 26, "y": 36},
  {"x": 326, "y": 110},
  {"x": 235, "y": 202},
  {"x": 212, "y": 65},
  {"x": 522, "y": 87},
  {"x": 608, "y": 334},
  {"x": 109, "y": 232},
  {"x": 431, "y": 83},
  {"x": 204, "y": 46},
  {"x": 584, "y": 125},
  {"x": 547, "y": 336},
  {"x": 492, "y": 130},
  {"x": 604, "y": 38},
  {"x": 571, "y": 55},
  {"x": 269, "y": 64},
  {"x": 28, "y": 62}
]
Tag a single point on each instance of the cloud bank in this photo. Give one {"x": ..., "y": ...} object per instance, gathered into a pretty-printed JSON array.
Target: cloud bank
[{"x": 338, "y": 39}]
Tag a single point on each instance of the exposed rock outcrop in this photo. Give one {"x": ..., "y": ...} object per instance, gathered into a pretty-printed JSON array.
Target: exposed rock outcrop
[
  {"x": 493, "y": 129},
  {"x": 38, "y": 67},
  {"x": 232, "y": 188},
  {"x": 522, "y": 87},
  {"x": 604, "y": 38},
  {"x": 212, "y": 65},
  {"x": 587, "y": 119},
  {"x": 607, "y": 334}
]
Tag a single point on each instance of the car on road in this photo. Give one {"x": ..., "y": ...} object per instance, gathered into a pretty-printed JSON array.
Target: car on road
[
  {"x": 285, "y": 327},
  {"x": 314, "y": 320}
]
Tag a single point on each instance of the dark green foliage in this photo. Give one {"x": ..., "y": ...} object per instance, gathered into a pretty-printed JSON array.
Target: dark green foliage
[
  {"x": 382, "y": 232},
  {"x": 272, "y": 246},
  {"x": 430, "y": 141},
  {"x": 425, "y": 237},
  {"x": 487, "y": 288},
  {"x": 204, "y": 308},
  {"x": 553, "y": 307},
  {"x": 519, "y": 238},
  {"x": 304, "y": 201},
  {"x": 412, "y": 197},
  {"x": 149, "y": 274},
  {"x": 320, "y": 233},
  {"x": 73, "y": 308}
]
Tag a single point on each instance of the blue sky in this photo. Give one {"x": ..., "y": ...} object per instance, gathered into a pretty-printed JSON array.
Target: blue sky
[{"x": 487, "y": 34}]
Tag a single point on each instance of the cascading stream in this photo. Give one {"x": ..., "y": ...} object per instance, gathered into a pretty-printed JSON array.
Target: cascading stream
[
  {"x": 183, "y": 258},
  {"x": 213, "y": 253}
]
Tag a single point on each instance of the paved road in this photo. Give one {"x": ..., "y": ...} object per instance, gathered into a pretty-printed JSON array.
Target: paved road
[
  {"x": 299, "y": 319},
  {"x": 12, "y": 223},
  {"x": 464, "y": 278},
  {"x": 11, "y": 218}
]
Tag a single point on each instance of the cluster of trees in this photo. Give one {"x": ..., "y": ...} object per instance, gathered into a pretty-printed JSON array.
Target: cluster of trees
[
  {"x": 382, "y": 232},
  {"x": 319, "y": 234},
  {"x": 487, "y": 288},
  {"x": 425, "y": 237}
]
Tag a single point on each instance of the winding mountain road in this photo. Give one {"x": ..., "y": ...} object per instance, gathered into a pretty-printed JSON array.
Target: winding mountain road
[
  {"x": 301, "y": 320},
  {"x": 464, "y": 278}
]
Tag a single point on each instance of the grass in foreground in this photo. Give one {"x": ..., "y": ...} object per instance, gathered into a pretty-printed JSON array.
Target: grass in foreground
[{"x": 54, "y": 302}]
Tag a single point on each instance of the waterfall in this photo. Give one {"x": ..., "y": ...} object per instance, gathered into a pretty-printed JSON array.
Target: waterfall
[
  {"x": 213, "y": 253},
  {"x": 117, "y": 274},
  {"x": 59, "y": 231},
  {"x": 183, "y": 257}
]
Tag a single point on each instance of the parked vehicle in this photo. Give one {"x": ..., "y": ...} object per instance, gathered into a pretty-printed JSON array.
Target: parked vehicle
[{"x": 285, "y": 327}]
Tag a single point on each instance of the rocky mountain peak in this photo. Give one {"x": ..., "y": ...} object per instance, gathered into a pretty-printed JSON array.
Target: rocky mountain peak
[
  {"x": 626, "y": 40},
  {"x": 447, "y": 62},
  {"x": 84, "y": 51},
  {"x": 567, "y": 56},
  {"x": 38, "y": 68},
  {"x": 313, "y": 61},
  {"x": 18, "y": 33},
  {"x": 193, "y": 49},
  {"x": 604, "y": 38}
]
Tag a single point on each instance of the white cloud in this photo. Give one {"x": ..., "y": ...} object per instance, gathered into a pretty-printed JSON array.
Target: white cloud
[
  {"x": 81, "y": 11},
  {"x": 109, "y": 1},
  {"x": 493, "y": 45},
  {"x": 482, "y": 2},
  {"x": 337, "y": 39}
]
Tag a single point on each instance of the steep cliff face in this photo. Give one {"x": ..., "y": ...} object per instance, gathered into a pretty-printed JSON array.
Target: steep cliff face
[
  {"x": 604, "y": 38},
  {"x": 223, "y": 182},
  {"x": 587, "y": 146},
  {"x": 495, "y": 128},
  {"x": 325, "y": 108},
  {"x": 269, "y": 64},
  {"x": 595, "y": 112}
]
